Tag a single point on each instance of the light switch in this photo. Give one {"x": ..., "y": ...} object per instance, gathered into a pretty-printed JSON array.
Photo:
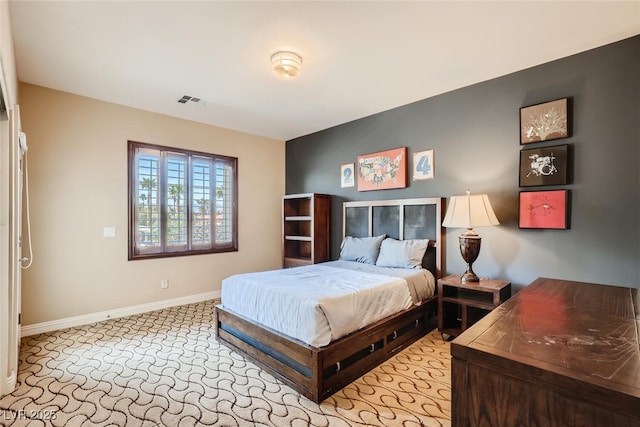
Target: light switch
[{"x": 109, "y": 232}]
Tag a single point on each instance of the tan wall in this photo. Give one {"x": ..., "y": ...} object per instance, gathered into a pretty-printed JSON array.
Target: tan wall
[{"x": 77, "y": 164}]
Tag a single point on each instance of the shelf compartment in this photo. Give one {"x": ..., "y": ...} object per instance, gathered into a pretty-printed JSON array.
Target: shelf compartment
[
  {"x": 300, "y": 249},
  {"x": 480, "y": 298},
  {"x": 453, "y": 318},
  {"x": 298, "y": 207},
  {"x": 296, "y": 262},
  {"x": 297, "y": 228}
]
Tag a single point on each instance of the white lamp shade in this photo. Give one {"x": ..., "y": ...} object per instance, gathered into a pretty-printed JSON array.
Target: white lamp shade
[{"x": 469, "y": 211}]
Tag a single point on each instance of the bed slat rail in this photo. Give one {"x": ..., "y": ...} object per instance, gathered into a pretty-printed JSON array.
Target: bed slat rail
[
  {"x": 318, "y": 376},
  {"x": 273, "y": 362}
]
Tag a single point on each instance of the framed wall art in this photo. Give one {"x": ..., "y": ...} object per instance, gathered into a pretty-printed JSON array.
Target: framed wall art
[
  {"x": 382, "y": 170},
  {"x": 346, "y": 175},
  {"x": 544, "y": 122},
  {"x": 544, "y": 166},
  {"x": 423, "y": 165},
  {"x": 544, "y": 209}
]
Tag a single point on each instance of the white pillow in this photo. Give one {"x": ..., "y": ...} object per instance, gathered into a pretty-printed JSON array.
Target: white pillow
[
  {"x": 361, "y": 249},
  {"x": 402, "y": 253}
]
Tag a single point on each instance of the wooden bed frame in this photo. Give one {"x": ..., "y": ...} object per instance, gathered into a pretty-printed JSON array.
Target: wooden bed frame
[{"x": 318, "y": 372}]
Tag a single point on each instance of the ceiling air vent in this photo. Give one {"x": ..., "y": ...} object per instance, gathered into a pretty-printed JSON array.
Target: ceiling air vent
[{"x": 193, "y": 99}]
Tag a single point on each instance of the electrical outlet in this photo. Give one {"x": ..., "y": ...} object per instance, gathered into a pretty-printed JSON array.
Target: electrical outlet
[{"x": 164, "y": 284}]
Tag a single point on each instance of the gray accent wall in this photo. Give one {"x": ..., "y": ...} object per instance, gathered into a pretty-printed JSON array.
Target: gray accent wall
[{"x": 474, "y": 132}]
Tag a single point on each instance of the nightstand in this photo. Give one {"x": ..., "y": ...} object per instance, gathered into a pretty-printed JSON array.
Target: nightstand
[{"x": 460, "y": 305}]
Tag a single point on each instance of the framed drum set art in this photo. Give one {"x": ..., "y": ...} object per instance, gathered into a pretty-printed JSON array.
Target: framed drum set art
[{"x": 545, "y": 165}]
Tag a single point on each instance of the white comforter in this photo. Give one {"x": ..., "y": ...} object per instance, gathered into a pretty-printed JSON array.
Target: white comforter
[{"x": 323, "y": 302}]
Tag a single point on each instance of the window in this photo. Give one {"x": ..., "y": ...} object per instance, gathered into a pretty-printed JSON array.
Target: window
[{"x": 181, "y": 202}]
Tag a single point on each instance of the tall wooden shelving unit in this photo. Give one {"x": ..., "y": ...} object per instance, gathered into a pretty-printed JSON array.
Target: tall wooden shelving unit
[{"x": 306, "y": 229}]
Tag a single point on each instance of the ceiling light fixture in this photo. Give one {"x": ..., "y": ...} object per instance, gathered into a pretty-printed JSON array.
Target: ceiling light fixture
[{"x": 286, "y": 65}]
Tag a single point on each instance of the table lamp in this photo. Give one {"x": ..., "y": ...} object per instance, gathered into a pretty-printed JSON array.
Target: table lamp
[{"x": 469, "y": 211}]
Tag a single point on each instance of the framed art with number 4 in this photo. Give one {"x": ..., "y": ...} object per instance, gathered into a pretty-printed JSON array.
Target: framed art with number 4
[
  {"x": 544, "y": 166},
  {"x": 544, "y": 209},
  {"x": 423, "y": 165}
]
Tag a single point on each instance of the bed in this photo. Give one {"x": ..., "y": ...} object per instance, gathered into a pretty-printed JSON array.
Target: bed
[{"x": 318, "y": 365}]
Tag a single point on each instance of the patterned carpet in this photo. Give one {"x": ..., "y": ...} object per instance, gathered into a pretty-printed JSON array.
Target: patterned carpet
[{"x": 165, "y": 368}]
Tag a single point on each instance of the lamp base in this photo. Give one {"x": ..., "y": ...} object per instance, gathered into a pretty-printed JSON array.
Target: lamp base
[
  {"x": 470, "y": 249},
  {"x": 469, "y": 276}
]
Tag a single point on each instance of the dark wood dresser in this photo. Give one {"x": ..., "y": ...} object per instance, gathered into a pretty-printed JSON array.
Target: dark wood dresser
[{"x": 558, "y": 353}]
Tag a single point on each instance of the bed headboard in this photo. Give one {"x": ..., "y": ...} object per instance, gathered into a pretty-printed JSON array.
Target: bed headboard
[{"x": 401, "y": 219}]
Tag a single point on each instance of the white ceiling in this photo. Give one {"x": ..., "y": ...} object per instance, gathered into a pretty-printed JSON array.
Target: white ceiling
[{"x": 359, "y": 58}]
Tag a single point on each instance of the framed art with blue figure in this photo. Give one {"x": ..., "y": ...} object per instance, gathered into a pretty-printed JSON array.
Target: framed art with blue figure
[{"x": 346, "y": 176}]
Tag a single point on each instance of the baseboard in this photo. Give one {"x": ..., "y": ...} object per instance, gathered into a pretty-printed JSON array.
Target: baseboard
[{"x": 85, "y": 319}]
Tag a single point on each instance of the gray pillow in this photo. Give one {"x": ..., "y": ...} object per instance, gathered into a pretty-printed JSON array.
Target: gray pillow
[
  {"x": 361, "y": 249},
  {"x": 402, "y": 253}
]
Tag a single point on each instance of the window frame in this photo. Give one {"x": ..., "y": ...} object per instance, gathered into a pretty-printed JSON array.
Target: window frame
[{"x": 132, "y": 183}]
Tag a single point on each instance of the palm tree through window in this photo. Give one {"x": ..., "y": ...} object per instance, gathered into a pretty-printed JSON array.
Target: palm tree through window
[{"x": 181, "y": 202}]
